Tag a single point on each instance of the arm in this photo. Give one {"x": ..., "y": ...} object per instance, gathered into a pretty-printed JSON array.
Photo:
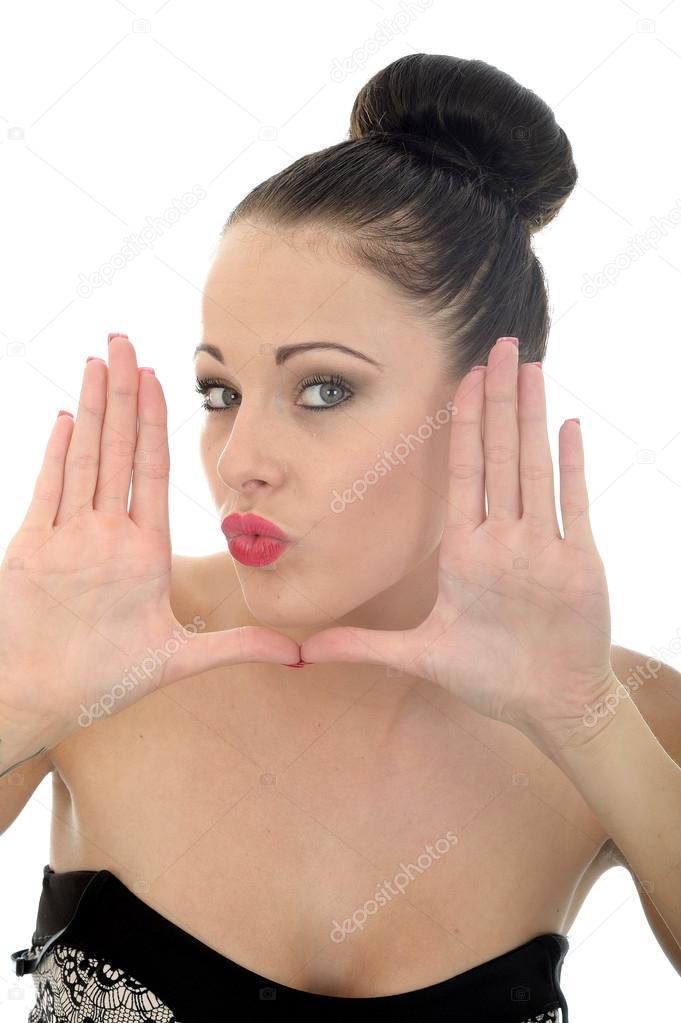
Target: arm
[
  {"x": 628, "y": 775},
  {"x": 18, "y": 785},
  {"x": 665, "y": 938},
  {"x": 22, "y": 741}
]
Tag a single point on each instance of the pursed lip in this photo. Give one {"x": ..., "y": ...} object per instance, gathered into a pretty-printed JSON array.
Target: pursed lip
[{"x": 251, "y": 525}]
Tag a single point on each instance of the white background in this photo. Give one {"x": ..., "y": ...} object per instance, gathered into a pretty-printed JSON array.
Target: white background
[{"x": 106, "y": 119}]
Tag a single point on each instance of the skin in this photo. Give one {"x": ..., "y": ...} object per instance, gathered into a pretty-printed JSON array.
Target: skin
[
  {"x": 372, "y": 564},
  {"x": 391, "y": 587}
]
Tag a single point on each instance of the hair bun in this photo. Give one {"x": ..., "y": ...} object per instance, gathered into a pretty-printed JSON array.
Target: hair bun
[{"x": 470, "y": 117}]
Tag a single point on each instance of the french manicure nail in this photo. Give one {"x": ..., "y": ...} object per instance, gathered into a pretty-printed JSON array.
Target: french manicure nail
[
  {"x": 513, "y": 340},
  {"x": 118, "y": 335}
]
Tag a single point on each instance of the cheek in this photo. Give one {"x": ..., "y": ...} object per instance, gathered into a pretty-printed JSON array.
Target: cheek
[
  {"x": 208, "y": 466},
  {"x": 211, "y": 444},
  {"x": 387, "y": 510}
]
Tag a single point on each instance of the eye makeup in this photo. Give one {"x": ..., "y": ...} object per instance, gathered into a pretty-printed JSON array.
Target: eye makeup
[{"x": 204, "y": 385}]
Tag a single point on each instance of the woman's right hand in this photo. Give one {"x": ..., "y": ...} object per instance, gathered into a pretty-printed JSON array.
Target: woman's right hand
[{"x": 85, "y": 582}]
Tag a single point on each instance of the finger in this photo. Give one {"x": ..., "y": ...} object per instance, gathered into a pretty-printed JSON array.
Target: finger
[
  {"x": 536, "y": 467},
  {"x": 574, "y": 500},
  {"x": 347, "y": 643},
  {"x": 466, "y": 462},
  {"x": 205, "y": 651},
  {"x": 49, "y": 482},
  {"x": 119, "y": 430},
  {"x": 82, "y": 459},
  {"x": 149, "y": 501},
  {"x": 500, "y": 436}
]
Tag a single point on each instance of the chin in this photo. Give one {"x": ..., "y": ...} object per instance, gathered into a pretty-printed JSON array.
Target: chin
[
  {"x": 281, "y": 607},
  {"x": 283, "y": 618}
]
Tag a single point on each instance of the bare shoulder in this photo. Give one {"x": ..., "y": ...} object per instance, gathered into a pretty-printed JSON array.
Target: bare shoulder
[
  {"x": 182, "y": 571},
  {"x": 207, "y": 586}
]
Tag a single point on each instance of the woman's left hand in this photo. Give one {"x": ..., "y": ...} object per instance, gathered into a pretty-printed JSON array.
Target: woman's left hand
[{"x": 520, "y": 630}]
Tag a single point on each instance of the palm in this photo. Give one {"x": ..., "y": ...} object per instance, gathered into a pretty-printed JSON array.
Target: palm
[
  {"x": 508, "y": 608},
  {"x": 99, "y": 589},
  {"x": 85, "y": 583},
  {"x": 520, "y": 611}
]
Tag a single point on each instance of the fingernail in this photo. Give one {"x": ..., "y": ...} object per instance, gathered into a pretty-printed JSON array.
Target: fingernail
[
  {"x": 572, "y": 421},
  {"x": 477, "y": 367},
  {"x": 534, "y": 364},
  {"x": 513, "y": 340},
  {"x": 96, "y": 357},
  {"x": 63, "y": 412},
  {"x": 147, "y": 369},
  {"x": 118, "y": 335}
]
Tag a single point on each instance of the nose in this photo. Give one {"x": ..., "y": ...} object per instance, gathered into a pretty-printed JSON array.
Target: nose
[{"x": 251, "y": 457}]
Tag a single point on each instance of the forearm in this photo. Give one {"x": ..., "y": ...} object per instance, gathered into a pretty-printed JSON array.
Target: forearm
[
  {"x": 634, "y": 788},
  {"x": 20, "y": 741}
]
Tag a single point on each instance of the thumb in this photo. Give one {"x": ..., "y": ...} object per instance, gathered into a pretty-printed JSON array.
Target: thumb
[
  {"x": 207, "y": 650},
  {"x": 348, "y": 643}
]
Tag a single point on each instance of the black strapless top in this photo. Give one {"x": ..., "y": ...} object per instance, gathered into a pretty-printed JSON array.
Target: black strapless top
[{"x": 99, "y": 954}]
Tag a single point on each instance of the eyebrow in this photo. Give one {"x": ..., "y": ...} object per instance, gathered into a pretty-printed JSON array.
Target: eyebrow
[{"x": 286, "y": 351}]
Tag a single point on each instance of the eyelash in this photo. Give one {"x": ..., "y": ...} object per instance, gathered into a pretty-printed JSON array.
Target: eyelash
[{"x": 204, "y": 384}]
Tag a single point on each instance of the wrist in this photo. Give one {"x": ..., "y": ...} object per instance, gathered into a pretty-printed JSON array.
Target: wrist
[
  {"x": 587, "y": 733},
  {"x": 23, "y": 738}
]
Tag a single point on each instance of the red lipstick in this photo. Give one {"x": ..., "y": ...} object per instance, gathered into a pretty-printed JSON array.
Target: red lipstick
[{"x": 253, "y": 540}]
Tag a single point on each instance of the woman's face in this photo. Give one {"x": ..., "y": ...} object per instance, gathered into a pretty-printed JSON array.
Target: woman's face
[{"x": 361, "y": 500}]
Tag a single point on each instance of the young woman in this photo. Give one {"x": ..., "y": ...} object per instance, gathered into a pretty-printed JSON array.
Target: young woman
[{"x": 404, "y": 827}]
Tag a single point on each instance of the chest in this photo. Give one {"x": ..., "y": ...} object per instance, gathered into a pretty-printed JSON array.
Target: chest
[{"x": 330, "y": 841}]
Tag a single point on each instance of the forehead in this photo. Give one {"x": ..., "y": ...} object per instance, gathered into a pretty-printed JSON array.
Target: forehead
[{"x": 271, "y": 285}]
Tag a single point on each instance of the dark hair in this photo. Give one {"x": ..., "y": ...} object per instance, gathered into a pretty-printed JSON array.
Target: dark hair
[{"x": 449, "y": 167}]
